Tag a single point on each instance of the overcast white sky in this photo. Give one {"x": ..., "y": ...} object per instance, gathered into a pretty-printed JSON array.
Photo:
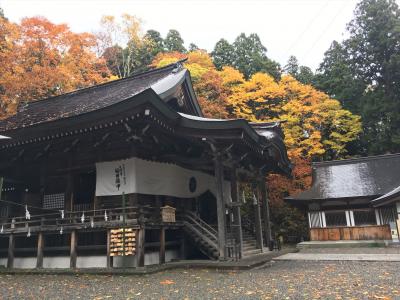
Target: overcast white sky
[{"x": 304, "y": 28}]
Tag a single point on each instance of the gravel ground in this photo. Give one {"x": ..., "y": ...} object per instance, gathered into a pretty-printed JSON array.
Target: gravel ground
[{"x": 283, "y": 280}]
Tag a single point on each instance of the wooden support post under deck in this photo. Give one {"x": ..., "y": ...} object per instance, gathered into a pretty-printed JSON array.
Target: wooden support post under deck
[
  {"x": 182, "y": 248},
  {"x": 73, "y": 253},
  {"x": 162, "y": 245},
  {"x": 258, "y": 226},
  {"x": 265, "y": 210},
  {"x": 236, "y": 211},
  {"x": 11, "y": 244},
  {"x": 109, "y": 257},
  {"x": 219, "y": 176},
  {"x": 40, "y": 246},
  {"x": 140, "y": 238}
]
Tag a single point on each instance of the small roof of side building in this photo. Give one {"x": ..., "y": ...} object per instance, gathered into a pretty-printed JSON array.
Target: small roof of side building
[{"x": 365, "y": 178}]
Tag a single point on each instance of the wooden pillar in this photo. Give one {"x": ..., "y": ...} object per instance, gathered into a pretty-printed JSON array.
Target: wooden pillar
[
  {"x": 162, "y": 245},
  {"x": 237, "y": 222},
  {"x": 219, "y": 177},
  {"x": 73, "y": 253},
  {"x": 182, "y": 248},
  {"x": 140, "y": 239},
  {"x": 109, "y": 257},
  {"x": 40, "y": 246},
  {"x": 257, "y": 221},
  {"x": 69, "y": 194},
  {"x": 266, "y": 213},
  {"x": 11, "y": 245}
]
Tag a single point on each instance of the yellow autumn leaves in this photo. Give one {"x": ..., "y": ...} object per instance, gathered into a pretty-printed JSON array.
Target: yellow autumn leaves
[{"x": 314, "y": 124}]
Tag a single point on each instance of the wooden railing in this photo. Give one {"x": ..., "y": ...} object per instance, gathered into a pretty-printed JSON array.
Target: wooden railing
[
  {"x": 95, "y": 218},
  {"x": 369, "y": 232}
]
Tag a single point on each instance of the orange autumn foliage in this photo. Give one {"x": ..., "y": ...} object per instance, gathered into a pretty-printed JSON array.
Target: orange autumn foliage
[{"x": 41, "y": 59}]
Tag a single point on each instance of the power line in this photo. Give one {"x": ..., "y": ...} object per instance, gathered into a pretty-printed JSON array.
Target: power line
[
  {"x": 311, "y": 22},
  {"x": 307, "y": 53}
]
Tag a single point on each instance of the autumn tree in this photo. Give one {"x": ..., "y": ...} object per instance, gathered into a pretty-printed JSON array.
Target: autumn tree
[
  {"x": 40, "y": 59},
  {"x": 126, "y": 34}
]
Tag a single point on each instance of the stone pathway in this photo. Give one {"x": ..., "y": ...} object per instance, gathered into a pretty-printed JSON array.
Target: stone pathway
[{"x": 339, "y": 257}]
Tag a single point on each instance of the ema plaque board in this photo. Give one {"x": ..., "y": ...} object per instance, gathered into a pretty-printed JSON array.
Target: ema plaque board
[{"x": 123, "y": 242}]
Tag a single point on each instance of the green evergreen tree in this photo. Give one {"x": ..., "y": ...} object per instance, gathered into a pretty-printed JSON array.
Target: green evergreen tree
[
  {"x": 250, "y": 57},
  {"x": 292, "y": 66},
  {"x": 156, "y": 41},
  {"x": 193, "y": 47},
  {"x": 223, "y": 54},
  {"x": 364, "y": 72},
  {"x": 174, "y": 42}
]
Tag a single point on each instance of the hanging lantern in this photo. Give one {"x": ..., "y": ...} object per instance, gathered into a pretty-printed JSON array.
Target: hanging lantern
[
  {"x": 83, "y": 218},
  {"x": 62, "y": 214},
  {"x": 29, "y": 232}
]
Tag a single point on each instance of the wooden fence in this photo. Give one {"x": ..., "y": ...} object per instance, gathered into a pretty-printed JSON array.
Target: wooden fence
[{"x": 378, "y": 232}]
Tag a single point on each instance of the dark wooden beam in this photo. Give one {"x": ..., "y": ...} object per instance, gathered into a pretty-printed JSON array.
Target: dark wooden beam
[
  {"x": 73, "y": 253},
  {"x": 109, "y": 257},
  {"x": 40, "y": 246},
  {"x": 237, "y": 222},
  {"x": 11, "y": 246},
  {"x": 162, "y": 245},
  {"x": 102, "y": 140},
  {"x": 72, "y": 146},
  {"x": 140, "y": 239},
  {"x": 18, "y": 156},
  {"x": 219, "y": 176},
  {"x": 258, "y": 226},
  {"x": 265, "y": 211}
]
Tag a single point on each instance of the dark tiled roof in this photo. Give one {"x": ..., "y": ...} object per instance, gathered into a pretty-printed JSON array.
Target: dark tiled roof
[
  {"x": 84, "y": 100},
  {"x": 363, "y": 177},
  {"x": 393, "y": 195}
]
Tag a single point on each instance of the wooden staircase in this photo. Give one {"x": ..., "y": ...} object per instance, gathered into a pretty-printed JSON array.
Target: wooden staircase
[
  {"x": 249, "y": 244},
  {"x": 205, "y": 236}
]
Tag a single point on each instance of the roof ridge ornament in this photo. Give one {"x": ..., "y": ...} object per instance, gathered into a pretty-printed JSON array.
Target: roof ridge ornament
[{"x": 179, "y": 65}]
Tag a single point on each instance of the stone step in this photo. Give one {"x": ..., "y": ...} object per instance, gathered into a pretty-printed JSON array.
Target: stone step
[{"x": 251, "y": 252}]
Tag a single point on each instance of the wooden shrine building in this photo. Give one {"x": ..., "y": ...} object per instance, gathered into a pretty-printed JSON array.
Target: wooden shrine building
[
  {"x": 130, "y": 173},
  {"x": 353, "y": 199}
]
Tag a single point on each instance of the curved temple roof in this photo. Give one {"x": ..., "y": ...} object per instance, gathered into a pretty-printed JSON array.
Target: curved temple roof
[
  {"x": 154, "y": 87},
  {"x": 368, "y": 177}
]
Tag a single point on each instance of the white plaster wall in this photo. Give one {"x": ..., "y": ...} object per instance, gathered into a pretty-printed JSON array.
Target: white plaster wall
[
  {"x": 99, "y": 261},
  {"x": 3, "y": 262},
  {"x": 55, "y": 262}
]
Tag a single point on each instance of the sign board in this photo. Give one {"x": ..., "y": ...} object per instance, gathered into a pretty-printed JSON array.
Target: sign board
[{"x": 121, "y": 237}]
